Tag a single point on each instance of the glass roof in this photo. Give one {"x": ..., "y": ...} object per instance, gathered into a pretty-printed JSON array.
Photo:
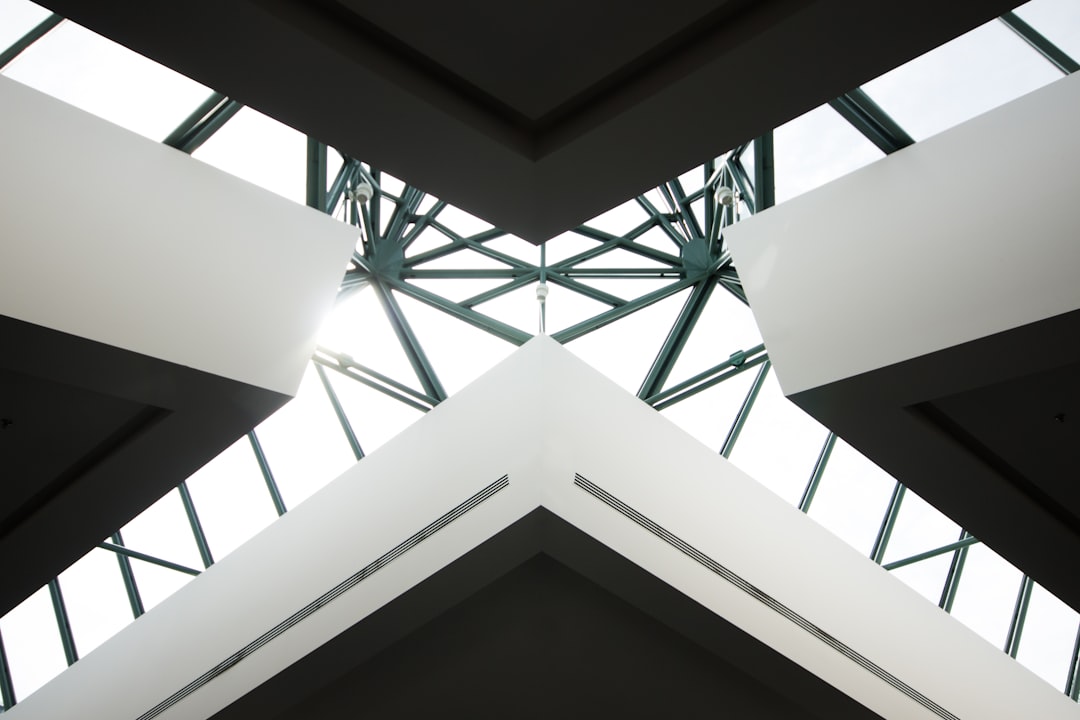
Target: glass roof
[{"x": 434, "y": 297}]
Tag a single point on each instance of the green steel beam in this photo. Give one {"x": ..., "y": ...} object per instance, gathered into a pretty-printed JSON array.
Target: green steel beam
[
  {"x": 605, "y": 318},
  {"x": 132, "y": 589},
  {"x": 963, "y": 543},
  {"x": 316, "y": 174},
  {"x": 868, "y": 118},
  {"x": 742, "y": 181},
  {"x": 744, "y": 410},
  {"x": 888, "y": 522},
  {"x": 739, "y": 362},
  {"x": 268, "y": 475},
  {"x": 1055, "y": 55},
  {"x": 1019, "y": 616},
  {"x": 196, "y": 526},
  {"x": 343, "y": 420},
  {"x": 623, "y": 242},
  {"x": 63, "y": 622},
  {"x": 497, "y": 328},
  {"x": 676, "y": 338},
  {"x": 200, "y": 126},
  {"x": 135, "y": 554},
  {"x": 820, "y": 464},
  {"x": 32, "y": 36},
  {"x": 374, "y": 380},
  {"x": 662, "y": 221},
  {"x": 501, "y": 290},
  {"x": 425, "y": 373},
  {"x": 956, "y": 571},
  {"x": 588, "y": 291},
  {"x": 764, "y": 172},
  {"x": 1072, "y": 682},
  {"x": 7, "y": 688}
]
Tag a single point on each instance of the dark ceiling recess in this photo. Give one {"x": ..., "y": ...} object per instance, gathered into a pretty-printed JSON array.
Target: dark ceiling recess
[
  {"x": 984, "y": 432},
  {"x": 535, "y": 116},
  {"x": 543, "y": 621},
  {"x": 93, "y": 435}
]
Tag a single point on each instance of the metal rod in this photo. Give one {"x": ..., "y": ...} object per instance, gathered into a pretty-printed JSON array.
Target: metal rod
[
  {"x": 196, "y": 526},
  {"x": 1057, "y": 57},
  {"x": 7, "y": 688},
  {"x": 956, "y": 570},
  {"x": 888, "y": 521},
  {"x": 63, "y": 622},
  {"x": 200, "y": 126},
  {"x": 346, "y": 426},
  {"x": 128, "y": 552},
  {"x": 425, "y": 373},
  {"x": 268, "y": 475},
  {"x": 1019, "y": 616},
  {"x": 132, "y": 589},
  {"x": 32, "y": 36},
  {"x": 744, "y": 410},
  {"x": 665, "y": 359},
  {"x": 964, "y": 542},
  {"x": 866, "y": 116},
  {"x": 738, "y": 361},
  {"x": 1072, "y": 682},
  {"x": 316, "y": 174},
  {"x": 819, "y": 470},
  {"x": 764, "y": 172}
]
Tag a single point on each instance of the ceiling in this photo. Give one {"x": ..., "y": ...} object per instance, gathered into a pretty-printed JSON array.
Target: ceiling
[{"x": 538, "y": 118}]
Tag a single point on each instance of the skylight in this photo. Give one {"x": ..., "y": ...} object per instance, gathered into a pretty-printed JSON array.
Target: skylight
[{"x": 645, "y": 292}]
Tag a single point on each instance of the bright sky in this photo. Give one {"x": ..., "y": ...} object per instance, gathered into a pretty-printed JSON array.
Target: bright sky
[{"x": 304, "y": 442}]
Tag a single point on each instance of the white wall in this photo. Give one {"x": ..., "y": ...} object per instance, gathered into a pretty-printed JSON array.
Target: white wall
[
  {"x": 112, "y": 237},
  {"x": 506, "y": 423},
  {"x": 965, "y": 234}
]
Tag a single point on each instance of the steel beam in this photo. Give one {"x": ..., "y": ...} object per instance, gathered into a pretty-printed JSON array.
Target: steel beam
[
  {"x": 1055, "y": 55},
  {"x": 63, "y": 622},
  {"x": 343, "y": 420},
  {"x": 196, "y": 526},
  {"x": 425, "y": 373},
  {"x": 132, "y": 589},
  {"x": 676, "y": 338},
  {"x": 32, "y": 36},
  {"x": 868, "y": 118},
  {"x": 744, "y": 410},
  {"x": 267, "y": 474},
  {"x": 135, "y": 554},
  {"x": 200, "y": 125},
  {"x": 820, "y": 464}
]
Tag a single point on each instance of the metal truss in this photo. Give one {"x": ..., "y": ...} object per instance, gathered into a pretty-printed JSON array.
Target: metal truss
[{"x": 695, "y": 261}]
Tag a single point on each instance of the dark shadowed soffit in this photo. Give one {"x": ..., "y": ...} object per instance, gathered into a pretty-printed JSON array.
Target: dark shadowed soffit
[
  {"x": 535, "y": 116},
  {"x": 544, "y": 621},
  {"x": 90, "y": 435}
]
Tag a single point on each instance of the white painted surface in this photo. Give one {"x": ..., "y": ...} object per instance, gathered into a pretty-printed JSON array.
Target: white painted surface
[
  {"x": 965, "y": 234},
  {"x": 109, "y": 236},
  {"x": 505, "y": 423}
]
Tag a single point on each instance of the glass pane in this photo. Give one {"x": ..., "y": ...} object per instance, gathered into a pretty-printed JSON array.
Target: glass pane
[
  {"x": 106, "y": 79},
  {"x": 231, "y": 497},
  {"x": 457, "y": 351},
  {"x": 816, "y": 148},
  {"x": 986, "y": 596},
  {"x": 852, "y": 498},
  {"x": 709, "y": 414},
  {"x": 608, "y": 349},
  {"x": 779, "y": 443},
  {"x": 976, "y": 72},
  {"x": 1049, "y": 635},
  {"x": 726, "y": 326},
  {"x": 262, "y": 151},
  {"x": 96, "y": 600},
  {"x": 32, "y": 643},
  {"x": 374, "y": 416},
  {"x": 1057, "y": 20},
  {"x": 303, "y": 441},
  {"x": 926, "y": 577},
  {"x": 20, "y": 17}
]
